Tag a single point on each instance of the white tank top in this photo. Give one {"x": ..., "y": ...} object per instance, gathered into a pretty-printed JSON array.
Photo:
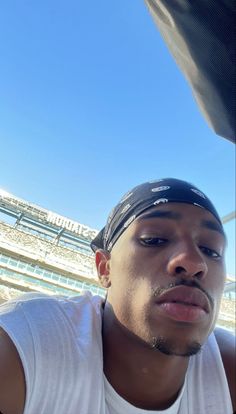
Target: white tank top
[
  {"x": 117, "y": 405},
  {"x": 60, "y": 344}
]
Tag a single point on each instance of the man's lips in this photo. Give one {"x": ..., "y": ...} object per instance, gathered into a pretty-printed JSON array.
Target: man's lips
[{"x": 185, "y": 295}]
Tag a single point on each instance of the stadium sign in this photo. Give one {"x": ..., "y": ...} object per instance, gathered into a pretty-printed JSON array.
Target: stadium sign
[
  {"x": 70, "y": 225},
  {"x": 15, "y": 206}
]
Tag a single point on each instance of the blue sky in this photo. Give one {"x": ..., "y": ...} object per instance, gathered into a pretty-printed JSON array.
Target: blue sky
[{"x": 92, "y": 103}]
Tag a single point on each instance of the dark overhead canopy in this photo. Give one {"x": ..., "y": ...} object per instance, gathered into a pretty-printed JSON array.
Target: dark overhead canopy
[{"x": 201, "y": 37}]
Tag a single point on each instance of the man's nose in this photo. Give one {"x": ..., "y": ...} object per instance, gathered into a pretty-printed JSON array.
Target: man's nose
[{"x": 187, "y": 261}]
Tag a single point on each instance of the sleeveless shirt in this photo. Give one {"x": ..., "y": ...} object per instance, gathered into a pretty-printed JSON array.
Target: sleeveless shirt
[{"x": 59, "y": 341}]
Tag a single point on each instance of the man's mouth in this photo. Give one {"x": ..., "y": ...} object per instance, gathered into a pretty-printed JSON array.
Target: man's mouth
[{"x": 183, "y": 303}]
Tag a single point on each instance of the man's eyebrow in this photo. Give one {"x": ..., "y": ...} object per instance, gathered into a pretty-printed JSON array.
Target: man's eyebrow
[
  {"x": 212, "y": 225},
  {"x": 160, "y": 214}
]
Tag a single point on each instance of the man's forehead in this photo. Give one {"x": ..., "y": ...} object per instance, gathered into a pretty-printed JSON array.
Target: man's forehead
[
  {"x": 160, "y": 195},
  {"x": 175, "y": 210},
  {"x": 178, "y": 211}
]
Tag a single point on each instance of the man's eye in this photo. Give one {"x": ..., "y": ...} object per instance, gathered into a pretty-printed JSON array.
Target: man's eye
[
  {"x": 209, "y": 252},
  {"x": 152, "y": 241}
]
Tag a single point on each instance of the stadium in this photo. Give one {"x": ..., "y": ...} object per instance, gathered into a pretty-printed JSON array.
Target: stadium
[{"x": 41, "y": 251}]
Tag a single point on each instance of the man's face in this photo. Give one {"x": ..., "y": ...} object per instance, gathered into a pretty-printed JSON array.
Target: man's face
[{"x": 166, "y": 276}]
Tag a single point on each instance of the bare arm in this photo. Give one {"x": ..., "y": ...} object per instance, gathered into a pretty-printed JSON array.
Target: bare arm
[
  {"x": 226, "y": 343},
  {"x": 12, "y": 380}
]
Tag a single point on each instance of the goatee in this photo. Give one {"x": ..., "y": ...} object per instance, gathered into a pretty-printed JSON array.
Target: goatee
[{"x": 171, "y": 348}]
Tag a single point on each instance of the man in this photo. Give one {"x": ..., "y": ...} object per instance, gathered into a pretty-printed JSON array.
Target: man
[{"x": 150, "y": 346}]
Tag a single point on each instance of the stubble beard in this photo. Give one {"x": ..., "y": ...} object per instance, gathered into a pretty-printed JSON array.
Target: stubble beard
[{"x": 168, "y": 347}]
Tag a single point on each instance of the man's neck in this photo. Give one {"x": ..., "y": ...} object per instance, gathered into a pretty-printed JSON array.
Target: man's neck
[{"x": 143, "y": 376}]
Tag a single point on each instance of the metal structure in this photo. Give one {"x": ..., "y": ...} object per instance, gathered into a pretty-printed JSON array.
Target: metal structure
[{"x": 229, "y": 217}]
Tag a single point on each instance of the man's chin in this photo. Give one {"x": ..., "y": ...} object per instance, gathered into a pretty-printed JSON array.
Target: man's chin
[{"x": 174, "y": 348}]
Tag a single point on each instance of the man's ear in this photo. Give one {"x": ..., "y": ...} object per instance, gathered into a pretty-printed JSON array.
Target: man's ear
[{"x": 102, "y": 259}]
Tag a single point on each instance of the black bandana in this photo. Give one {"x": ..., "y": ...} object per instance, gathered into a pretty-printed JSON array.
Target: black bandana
[{"x": 144, "y": 197}]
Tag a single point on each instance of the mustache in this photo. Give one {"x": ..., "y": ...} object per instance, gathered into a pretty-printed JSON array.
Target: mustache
[{"x": 183, "y": 282}]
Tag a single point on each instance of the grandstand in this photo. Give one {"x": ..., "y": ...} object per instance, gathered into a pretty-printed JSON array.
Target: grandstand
[{"x": 45, "y": 252}]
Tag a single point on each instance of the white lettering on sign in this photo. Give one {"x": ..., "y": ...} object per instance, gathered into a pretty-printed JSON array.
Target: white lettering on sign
[{"x": 71, "y": 225}]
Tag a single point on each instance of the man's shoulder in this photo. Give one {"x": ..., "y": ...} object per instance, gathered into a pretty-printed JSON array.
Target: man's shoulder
[
  {"x": 36, "y": 330},
  {"x": 226, "y": 342},
  {"x": 28, "y": 306},
  {"x": 223, "y": 333},
  {"x": 36, "y": 299},
  {"x": 27, "y": 299},
  {"x": 227, "y": 346},
  {"x": 43, "y": 313}
]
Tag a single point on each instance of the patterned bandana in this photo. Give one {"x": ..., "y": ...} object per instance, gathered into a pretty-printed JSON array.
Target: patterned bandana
[{"x": 144, "y": 197}]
